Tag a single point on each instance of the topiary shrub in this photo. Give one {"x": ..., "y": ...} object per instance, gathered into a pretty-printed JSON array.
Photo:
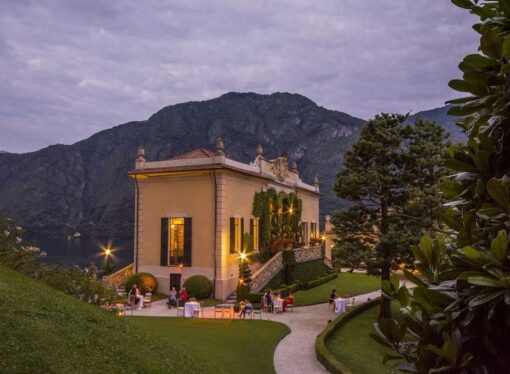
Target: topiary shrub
[
  {"x": 198, "y": 286},
  {"x": 144, "y": 281}
]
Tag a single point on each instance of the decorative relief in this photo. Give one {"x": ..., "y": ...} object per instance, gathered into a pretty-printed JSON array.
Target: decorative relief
[{"x": 281, "y": 168}]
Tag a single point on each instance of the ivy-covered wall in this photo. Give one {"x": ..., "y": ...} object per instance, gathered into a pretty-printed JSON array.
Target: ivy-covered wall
[{"x": 279, "y": 215}]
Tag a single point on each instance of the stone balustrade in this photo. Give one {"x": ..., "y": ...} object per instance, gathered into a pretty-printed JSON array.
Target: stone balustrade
[
  {"x": 275, "y": 265},
  {"x": 120, "y": 276}
]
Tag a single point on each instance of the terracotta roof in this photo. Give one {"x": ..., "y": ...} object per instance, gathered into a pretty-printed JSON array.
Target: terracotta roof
[{"x": 197, "y": 153}]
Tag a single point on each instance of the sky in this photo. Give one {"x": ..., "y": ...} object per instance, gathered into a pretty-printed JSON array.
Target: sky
[{"x": 71, "y": 68}]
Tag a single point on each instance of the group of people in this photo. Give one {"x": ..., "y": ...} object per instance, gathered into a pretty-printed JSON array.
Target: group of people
[
  {"x": 138, "y": 296},
  {"x": 270, "y": 298},
  {"x": 175, "y": 297}
]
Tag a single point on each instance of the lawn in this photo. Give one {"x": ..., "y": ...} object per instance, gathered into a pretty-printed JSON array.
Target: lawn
[
  {"x": 235, "y": 345},
  {"x": 352, "y": 345},
  {"x": 43, "y": 330},
  {"x": 346, "y": 285}
]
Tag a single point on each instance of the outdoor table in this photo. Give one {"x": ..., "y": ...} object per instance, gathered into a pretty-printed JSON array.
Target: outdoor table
[
  {"x": 190, "y": 307},
  {"x": 340, "y": 305},
  {"x": 277, "y": 306}
]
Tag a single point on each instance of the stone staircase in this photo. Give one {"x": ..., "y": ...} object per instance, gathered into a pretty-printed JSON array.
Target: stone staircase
[
  {"x": 232, "y": 299},
  {"x": 275, "y": 265}
]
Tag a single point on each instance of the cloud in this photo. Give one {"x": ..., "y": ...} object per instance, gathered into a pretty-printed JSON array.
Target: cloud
[{"x": 70, "y": 69}]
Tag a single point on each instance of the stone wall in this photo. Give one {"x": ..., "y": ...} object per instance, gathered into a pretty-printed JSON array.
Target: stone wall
[
  {"x": 119, "y": 277},
  {"x": 307, "y": 254}
]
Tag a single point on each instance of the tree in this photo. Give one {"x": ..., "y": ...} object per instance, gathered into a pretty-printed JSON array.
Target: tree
[
  {"x": 390, "y": 175},
  {"x": 458, "y": 312}
]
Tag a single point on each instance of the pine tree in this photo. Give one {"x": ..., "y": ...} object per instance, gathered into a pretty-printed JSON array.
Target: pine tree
[{"x": 390, "y": 176}]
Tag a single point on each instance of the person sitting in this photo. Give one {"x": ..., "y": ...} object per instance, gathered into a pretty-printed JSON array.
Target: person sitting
[
  {"x": 172, "y": 297},
  {"x": 184, "y": 295},
  {"x": 268, "y": 298},
  {"x": 288, "y": 301},
  {"x": 332, "y": 298},
  {"x": 245, "y": 307}
]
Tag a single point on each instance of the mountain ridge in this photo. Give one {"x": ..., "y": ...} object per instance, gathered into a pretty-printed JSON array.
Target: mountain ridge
[{"x": 83, "y": 186}]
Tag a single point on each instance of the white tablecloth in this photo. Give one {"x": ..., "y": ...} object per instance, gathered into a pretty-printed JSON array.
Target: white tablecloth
[
  {"x": 278, "y": 306},
  {"x": 190, "y": 307},
  {"x": 340, "y": 305}
]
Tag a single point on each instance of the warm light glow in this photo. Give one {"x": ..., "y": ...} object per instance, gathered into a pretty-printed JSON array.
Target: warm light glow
[
  {"x": 291, "y": 210},
  {"x": 323, "y": 237},
  {"x": 243, "y": 256},
  {"x": 181, "y": 266},
  {"x": 107, "y": 251},
  {"x": 241, "y": 281}
]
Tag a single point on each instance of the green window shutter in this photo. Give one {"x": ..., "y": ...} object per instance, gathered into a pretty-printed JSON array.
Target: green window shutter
[
  {"x": 252, "y": 238},
  {"x": 164, "y": 242},
  {"x": 187, "y": 241},
  {"x": 242, "y": 235},
  {"x": 232, "y": 235}
]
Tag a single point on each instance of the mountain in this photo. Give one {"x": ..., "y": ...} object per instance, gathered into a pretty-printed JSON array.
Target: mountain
[
  {"x": 83, "y": 186},
  {"x": 440, "y": 115}
]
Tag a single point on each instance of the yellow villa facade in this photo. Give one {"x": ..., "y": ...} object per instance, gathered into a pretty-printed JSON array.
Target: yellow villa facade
[{"x": 192, "y": 211}]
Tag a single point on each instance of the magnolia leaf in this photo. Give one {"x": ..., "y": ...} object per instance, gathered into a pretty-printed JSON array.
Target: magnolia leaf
[
  {"x": 478, "y": 61},
  {"x": 505, "y": 6},
  {"x": 499, "y": 246},
  {"x": 466, "y": 4},
  {"x": 482, "y": 280},
  {"x": 499, "y": 192},
  {"x": 484, "y": 298},
  {"x": 506, "y": 48},
  {"x": 460, "y": 166}
]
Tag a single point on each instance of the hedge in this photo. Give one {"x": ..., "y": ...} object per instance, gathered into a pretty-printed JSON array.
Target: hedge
[
  {"x": 143, "y": 280},
  {"x": 198, "y": 286},
  {"x": 318, "y": 281},
  {"x": 322, "y": 352}
]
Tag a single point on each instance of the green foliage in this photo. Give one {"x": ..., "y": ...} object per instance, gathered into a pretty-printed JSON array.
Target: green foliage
[
  {"x": 144, "y": 281},
  {"x": 307, "y": 271},
  {"x": 198, "y": 286},
  {"x": 279, "y": 216},
  {"x": 27, "y": 259},
  {"x": 390, "y": 176},
  {"x": 458, "y": 312}
]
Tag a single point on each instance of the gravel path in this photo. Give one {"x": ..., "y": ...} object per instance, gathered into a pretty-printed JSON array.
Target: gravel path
[{"x": 296, "y": 352}]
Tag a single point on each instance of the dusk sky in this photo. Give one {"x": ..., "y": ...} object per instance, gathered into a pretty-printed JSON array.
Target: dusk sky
[{"x": 72, "y": 68}]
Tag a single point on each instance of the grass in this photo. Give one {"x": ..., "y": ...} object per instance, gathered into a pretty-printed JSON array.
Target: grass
[
  {"x": 346, "y": 285},
  {"x": 46, "y": 331},
  {"x": 237, "y": 346},
  {"x": 352, "y": 345}
]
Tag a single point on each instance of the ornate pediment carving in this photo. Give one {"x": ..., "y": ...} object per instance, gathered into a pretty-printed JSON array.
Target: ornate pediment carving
[{"x": 281, "y": 168}]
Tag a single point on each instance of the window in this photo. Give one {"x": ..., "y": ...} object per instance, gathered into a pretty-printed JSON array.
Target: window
[
  {"x": 176, "y": 241},
  {"x": 254, "y": 233},
  {"x": 313, "y": 230},
  {"x": 304, "y": 232},
  {"x": 236, "y": 234}
]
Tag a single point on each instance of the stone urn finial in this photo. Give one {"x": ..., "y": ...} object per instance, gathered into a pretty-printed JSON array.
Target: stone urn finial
[
  {"x": 316, "y": 181},
  {"x": 259, "y": 150},
  {"x": 220, "y": 146},
  {"x": 328, "y": 218},
  {"x": 293, "y": 167},
  {"x": 140, "y": 154}
]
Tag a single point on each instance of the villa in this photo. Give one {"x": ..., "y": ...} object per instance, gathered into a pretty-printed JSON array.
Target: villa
[{"x": 194, "y": 212}]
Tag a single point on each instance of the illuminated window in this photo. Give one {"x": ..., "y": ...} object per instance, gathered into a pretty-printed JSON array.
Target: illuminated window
[
  {"x": 254, "y": 233},
  {"x": 313, "y": 230},
  {"x": 176, "y": 241},
  {"x": 236, "y": 234}
]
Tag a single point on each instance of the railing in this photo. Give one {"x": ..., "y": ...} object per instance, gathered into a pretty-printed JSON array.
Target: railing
[
  {"x": 120, "y": 276},
  {"x": 328, "y": 262},
  {"x": 267, "y": 272}
]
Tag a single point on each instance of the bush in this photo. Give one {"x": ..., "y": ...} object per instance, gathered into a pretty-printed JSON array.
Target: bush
[
  {"x": 144, "y": 281},
  {"x": 307, "y": 271},
  {"x": 198, "y": 286}
]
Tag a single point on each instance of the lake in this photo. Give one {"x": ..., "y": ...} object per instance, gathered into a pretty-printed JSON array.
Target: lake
[{"x": 83, "y": 251}]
